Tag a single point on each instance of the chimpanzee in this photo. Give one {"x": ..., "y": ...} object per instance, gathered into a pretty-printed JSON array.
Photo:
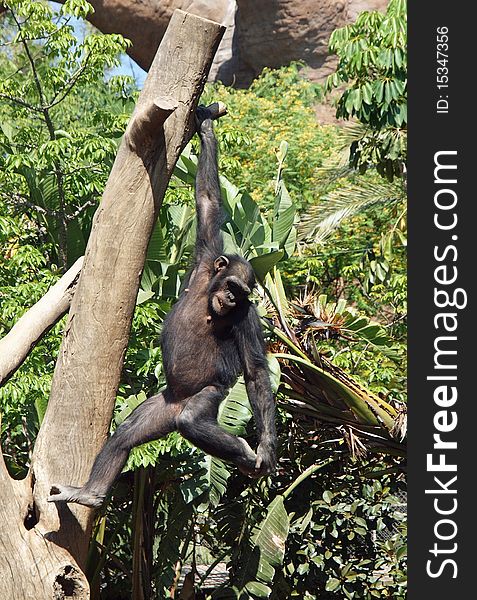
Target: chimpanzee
[{"x": 211, "y": 335}]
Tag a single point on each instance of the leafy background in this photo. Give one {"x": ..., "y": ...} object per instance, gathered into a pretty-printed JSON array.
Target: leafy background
[{"x": 320, "y": 212}]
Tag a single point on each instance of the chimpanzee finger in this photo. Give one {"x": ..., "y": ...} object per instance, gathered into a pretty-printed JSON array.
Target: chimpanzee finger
[{"x": 201, "y": 114}]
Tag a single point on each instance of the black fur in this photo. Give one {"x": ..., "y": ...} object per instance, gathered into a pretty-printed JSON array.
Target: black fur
[{"x": 211, "y": 335}]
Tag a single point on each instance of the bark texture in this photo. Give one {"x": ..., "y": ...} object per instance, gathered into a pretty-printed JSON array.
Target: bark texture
[
  {"x": 28, "y": 330},
  {"x": 43, "y": 546}
]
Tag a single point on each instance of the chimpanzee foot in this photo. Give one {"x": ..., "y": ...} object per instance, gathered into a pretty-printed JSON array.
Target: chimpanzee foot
[
  {"x": 247, "y": 462},
  {"x": 69, "y": 493}
]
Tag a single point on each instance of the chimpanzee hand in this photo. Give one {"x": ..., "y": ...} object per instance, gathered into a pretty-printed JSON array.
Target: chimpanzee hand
[
  {"x": 203, "y": 119},
  {"x": 266, "y": 459}
]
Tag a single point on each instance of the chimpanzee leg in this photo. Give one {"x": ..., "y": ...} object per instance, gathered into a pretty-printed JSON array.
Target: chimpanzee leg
[
  {"x": 152, "y": 419},
  {"x": 198, "y": 423}
]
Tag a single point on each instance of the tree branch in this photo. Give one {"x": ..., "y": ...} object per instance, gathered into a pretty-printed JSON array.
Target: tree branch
[
  {"x": 81, "y": 209},
  {"x": 147, "y": 122},
  {"x": 21, "y": 103},
  {"x": 27, "y": 331},
  {"x": 144, "y": 126},
  {"x": 16, "y": 199},
  {"x": 66, "y": 89}
]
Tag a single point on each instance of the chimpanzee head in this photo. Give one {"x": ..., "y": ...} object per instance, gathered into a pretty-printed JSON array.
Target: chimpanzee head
[{"x": 231, "y": 284}]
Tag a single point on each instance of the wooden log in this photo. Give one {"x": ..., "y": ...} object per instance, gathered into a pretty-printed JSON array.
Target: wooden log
[{"x": 39, "y": 319}]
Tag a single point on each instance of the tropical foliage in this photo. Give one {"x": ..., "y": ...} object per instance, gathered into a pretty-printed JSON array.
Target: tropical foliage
[
  {"x": 372, "y": 57},
  {"x": 331, "y": 269}
]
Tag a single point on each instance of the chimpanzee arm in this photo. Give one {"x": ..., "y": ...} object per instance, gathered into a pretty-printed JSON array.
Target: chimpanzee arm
[
  {"x": 249, "y": 338},
  {"x": 207, "y": 191}
]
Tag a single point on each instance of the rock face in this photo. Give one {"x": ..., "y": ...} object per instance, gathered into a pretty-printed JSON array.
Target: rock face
[
  {"x": 274, "y": 32},
  {"x": 271, "y": 33},
  {"x": 358, "y": 6},
  {"x": 261, "y": 33}
]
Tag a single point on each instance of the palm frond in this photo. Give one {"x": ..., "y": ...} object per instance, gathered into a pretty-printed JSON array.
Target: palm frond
[
  {"x": 337, "y": 166},
  {"x": 353, "y": 198}
]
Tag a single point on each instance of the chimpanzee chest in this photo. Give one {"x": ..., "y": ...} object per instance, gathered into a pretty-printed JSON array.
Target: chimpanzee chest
[{"x": 195, "y": 352}]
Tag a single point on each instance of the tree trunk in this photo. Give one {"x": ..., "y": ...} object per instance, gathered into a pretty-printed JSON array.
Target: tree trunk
[{"x": 43, "y": 546}]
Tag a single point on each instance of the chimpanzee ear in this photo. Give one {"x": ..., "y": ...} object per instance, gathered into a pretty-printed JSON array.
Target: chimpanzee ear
[{"x": 221, "y": 263}]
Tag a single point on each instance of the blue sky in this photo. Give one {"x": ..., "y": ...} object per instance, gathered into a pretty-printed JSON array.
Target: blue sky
[{"x": 127, "y": 67}]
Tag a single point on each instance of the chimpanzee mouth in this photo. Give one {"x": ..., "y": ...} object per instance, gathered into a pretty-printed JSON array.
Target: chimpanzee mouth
[
  {"x": 221, "y": 304},
  {"x": 227, "y": 302},
  {"x": 229, "y": 298}
]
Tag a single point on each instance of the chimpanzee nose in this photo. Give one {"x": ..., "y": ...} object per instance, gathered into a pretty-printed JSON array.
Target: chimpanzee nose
[{"x": 237, "y": 286}]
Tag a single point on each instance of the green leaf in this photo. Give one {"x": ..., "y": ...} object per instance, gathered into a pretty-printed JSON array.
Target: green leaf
[
  {"x": 270, "y": 537},
  {"x": 210, "y": 479},
  {"x": 130, "y": 403},
  {"x": 274, "y": 285},
  {"x": 217, "y": 476},
  {"x": 8, "y": 130},
  {"x": 234, "y": 411},
  {"x": 290, "y": 243},
  {"x": 62, "y": 133},
  {"x": 258, "y": 589},
  {"x": 185, "y": 169},
  {"x": 357, "y": 99},
  {"x": 322, "y": 219},
  {"x": 283, "y": 222},
  {"x": 367, "y": 93},
  {"x": 75, "y": 241},
  {"x": 303, "y": 568},
  {"x": 378, "y": 87},
  {"x": 332, "y": 584},
  {"x": 264, "y": 263},
  {"x": 77, "y": 8},
  {"x": 170, "y": 286},
  {"x": 41, "y": 404},
  {"x": 156, "y": 249},
  {"x": 274, "y": 371},
  {"x": 148, "y": 279},
  {"x": 282, "y": 151},
  {"x": 180, "y": 214},
  {"x": 401, "y": 552},
  {"x": 49, "y": 191},
  {"x": 349, "y": 101},
  {"x": 167, "y": 546},
  {"x": 143, "y": 296},
  {"x": 367, "y": 408},
  {"x": 388, "y": 92}
]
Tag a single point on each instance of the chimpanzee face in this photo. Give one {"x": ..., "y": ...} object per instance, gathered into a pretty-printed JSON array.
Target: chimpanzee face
[{"x": 231, "y": 284}]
